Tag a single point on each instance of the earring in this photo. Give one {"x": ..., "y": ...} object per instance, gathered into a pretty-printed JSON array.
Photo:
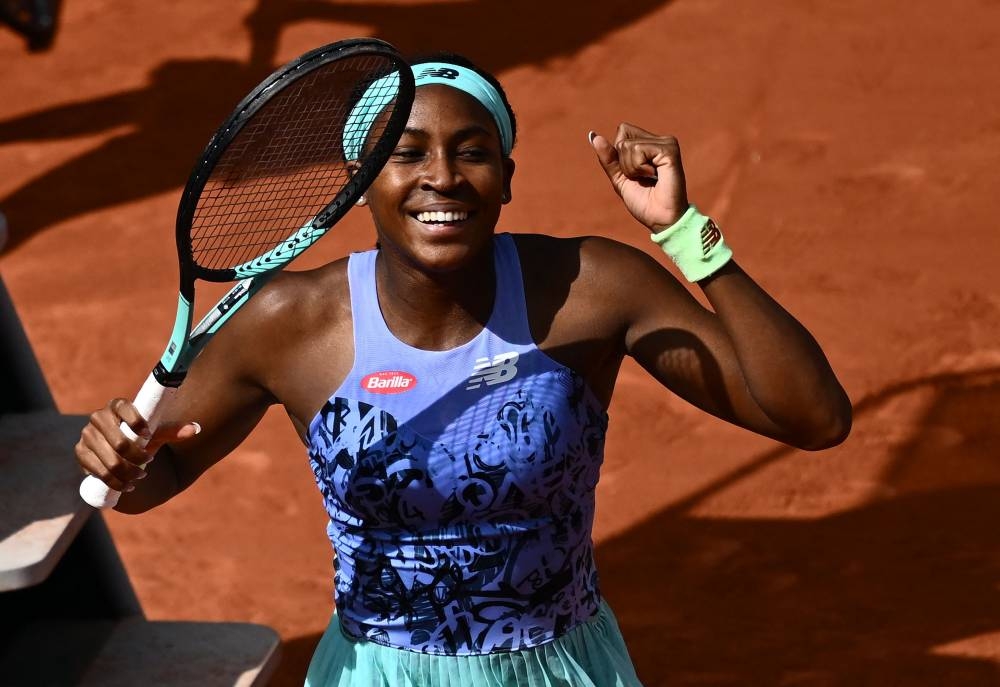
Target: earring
[
  {"x": 505, "y": 197},
  {"x": 362, "y": 200}
]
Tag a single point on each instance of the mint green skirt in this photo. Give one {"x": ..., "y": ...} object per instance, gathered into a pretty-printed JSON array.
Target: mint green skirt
[{"x": 592, "y": 654}]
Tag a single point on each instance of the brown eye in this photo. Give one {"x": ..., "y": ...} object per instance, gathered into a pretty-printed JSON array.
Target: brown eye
[
  {"x": 473, "y": 154},
  {"x": 407, "y": 154}
]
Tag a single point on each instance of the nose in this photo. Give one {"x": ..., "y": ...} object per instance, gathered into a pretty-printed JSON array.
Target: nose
[{"x": 440, "y": 173}]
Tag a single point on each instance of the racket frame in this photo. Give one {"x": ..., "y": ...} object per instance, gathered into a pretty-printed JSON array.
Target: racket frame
[{"x": 181, "y": 350}]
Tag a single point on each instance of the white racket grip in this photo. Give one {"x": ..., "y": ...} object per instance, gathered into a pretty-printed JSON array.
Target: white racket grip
[{"x": 147, "y": 402}]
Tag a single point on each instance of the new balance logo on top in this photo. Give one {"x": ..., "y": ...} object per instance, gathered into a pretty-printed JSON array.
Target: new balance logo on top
[
  {"x": 710, "y": 236},
  {"x": 502, "y": 368}
]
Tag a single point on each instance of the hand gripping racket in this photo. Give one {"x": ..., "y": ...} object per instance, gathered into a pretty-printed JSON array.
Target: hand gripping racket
[{"x": 273, "y": 179}]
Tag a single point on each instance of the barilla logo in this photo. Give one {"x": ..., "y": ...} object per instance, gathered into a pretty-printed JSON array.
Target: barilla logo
[{"x": 388, "y": 382}]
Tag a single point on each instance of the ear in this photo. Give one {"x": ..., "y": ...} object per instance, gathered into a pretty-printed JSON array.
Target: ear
[
  {"x": 352, "y": 168},
  {"x": 508, "y": 174}
]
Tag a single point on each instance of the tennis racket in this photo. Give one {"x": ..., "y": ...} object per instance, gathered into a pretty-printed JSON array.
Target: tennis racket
[{"x": 273, "y": 179}]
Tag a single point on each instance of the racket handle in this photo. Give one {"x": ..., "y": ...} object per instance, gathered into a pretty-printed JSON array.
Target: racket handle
[{"x": 150, "y": 397}]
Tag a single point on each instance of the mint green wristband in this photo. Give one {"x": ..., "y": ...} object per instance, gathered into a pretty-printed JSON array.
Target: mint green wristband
[{"x": 695, "y": 244}]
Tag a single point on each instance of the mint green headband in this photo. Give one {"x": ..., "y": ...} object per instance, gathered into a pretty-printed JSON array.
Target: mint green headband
[{"x": 381, "y": 92}]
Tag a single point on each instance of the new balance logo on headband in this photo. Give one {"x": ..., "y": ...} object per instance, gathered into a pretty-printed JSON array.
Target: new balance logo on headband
[
  {"x": 502, "y": 368},
  {"x": 439, "y": 72}
]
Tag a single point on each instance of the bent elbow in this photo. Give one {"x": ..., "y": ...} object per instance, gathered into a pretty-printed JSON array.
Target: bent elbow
[
  {"x": 828, "y": 439},
  {"x": 833, "y": 432}
]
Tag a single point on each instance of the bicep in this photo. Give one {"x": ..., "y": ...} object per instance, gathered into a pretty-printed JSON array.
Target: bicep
[{"x": 684, "y": 346}]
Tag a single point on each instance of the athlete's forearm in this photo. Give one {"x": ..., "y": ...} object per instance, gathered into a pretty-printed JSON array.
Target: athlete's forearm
[
  {"x": 159, "y": 486},
  {"x": 785, "y": 370}
]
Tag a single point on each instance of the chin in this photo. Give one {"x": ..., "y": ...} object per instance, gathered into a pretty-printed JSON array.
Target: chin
[
  {"x": 445, "y": 248},
  {"x": 448, "y": 257}
]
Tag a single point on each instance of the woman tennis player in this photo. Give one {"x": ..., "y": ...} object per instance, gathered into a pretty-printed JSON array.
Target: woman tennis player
[{"x": 451, "y": 388}]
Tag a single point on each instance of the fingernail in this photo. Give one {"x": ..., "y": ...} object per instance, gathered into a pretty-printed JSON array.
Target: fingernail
[
  {"x": 130, "y": 487},
  {"x": 197, "y": 428},
  {"x": 590, "y": 137}
]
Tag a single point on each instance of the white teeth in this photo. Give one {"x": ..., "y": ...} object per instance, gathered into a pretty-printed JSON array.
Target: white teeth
[{"x": 446, "y": 217}]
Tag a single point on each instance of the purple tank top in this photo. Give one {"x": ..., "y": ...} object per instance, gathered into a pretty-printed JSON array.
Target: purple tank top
[{"x": 459, "y": 483}]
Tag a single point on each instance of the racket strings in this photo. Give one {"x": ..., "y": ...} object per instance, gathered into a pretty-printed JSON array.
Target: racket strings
[{"x": 284, "y": 166}]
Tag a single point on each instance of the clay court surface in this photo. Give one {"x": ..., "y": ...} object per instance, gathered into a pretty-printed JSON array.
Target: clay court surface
[{"x": 849, "y": 150}]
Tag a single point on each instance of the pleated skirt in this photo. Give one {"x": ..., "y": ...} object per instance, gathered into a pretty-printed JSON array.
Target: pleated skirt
[{"x": 592, "y": 654}]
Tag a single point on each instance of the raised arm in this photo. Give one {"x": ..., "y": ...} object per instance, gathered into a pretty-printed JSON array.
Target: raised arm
[{"x": 747, "y": 360}]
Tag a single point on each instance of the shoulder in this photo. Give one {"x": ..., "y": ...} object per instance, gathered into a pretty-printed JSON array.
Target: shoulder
[
  {"x": 291, "y": 306},
  {"x": 593, "y": 286},
  {"x": 303, "y": 295},
  {"x": 584, "y": 295},
  {"x": 586, "y": 262}
]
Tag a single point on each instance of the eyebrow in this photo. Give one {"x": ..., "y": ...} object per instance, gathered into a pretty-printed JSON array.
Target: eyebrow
[{"x": 464, "y": 132}]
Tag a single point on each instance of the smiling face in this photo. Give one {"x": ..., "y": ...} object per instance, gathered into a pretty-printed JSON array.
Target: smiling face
[{"x": 437, "y": 200}]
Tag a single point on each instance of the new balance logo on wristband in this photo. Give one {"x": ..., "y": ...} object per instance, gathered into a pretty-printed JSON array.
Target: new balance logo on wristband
[
  {"x": 502, "y": 368},
  {"x": 710, "y": 236},
  {"x": 439, "y": 72}
]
